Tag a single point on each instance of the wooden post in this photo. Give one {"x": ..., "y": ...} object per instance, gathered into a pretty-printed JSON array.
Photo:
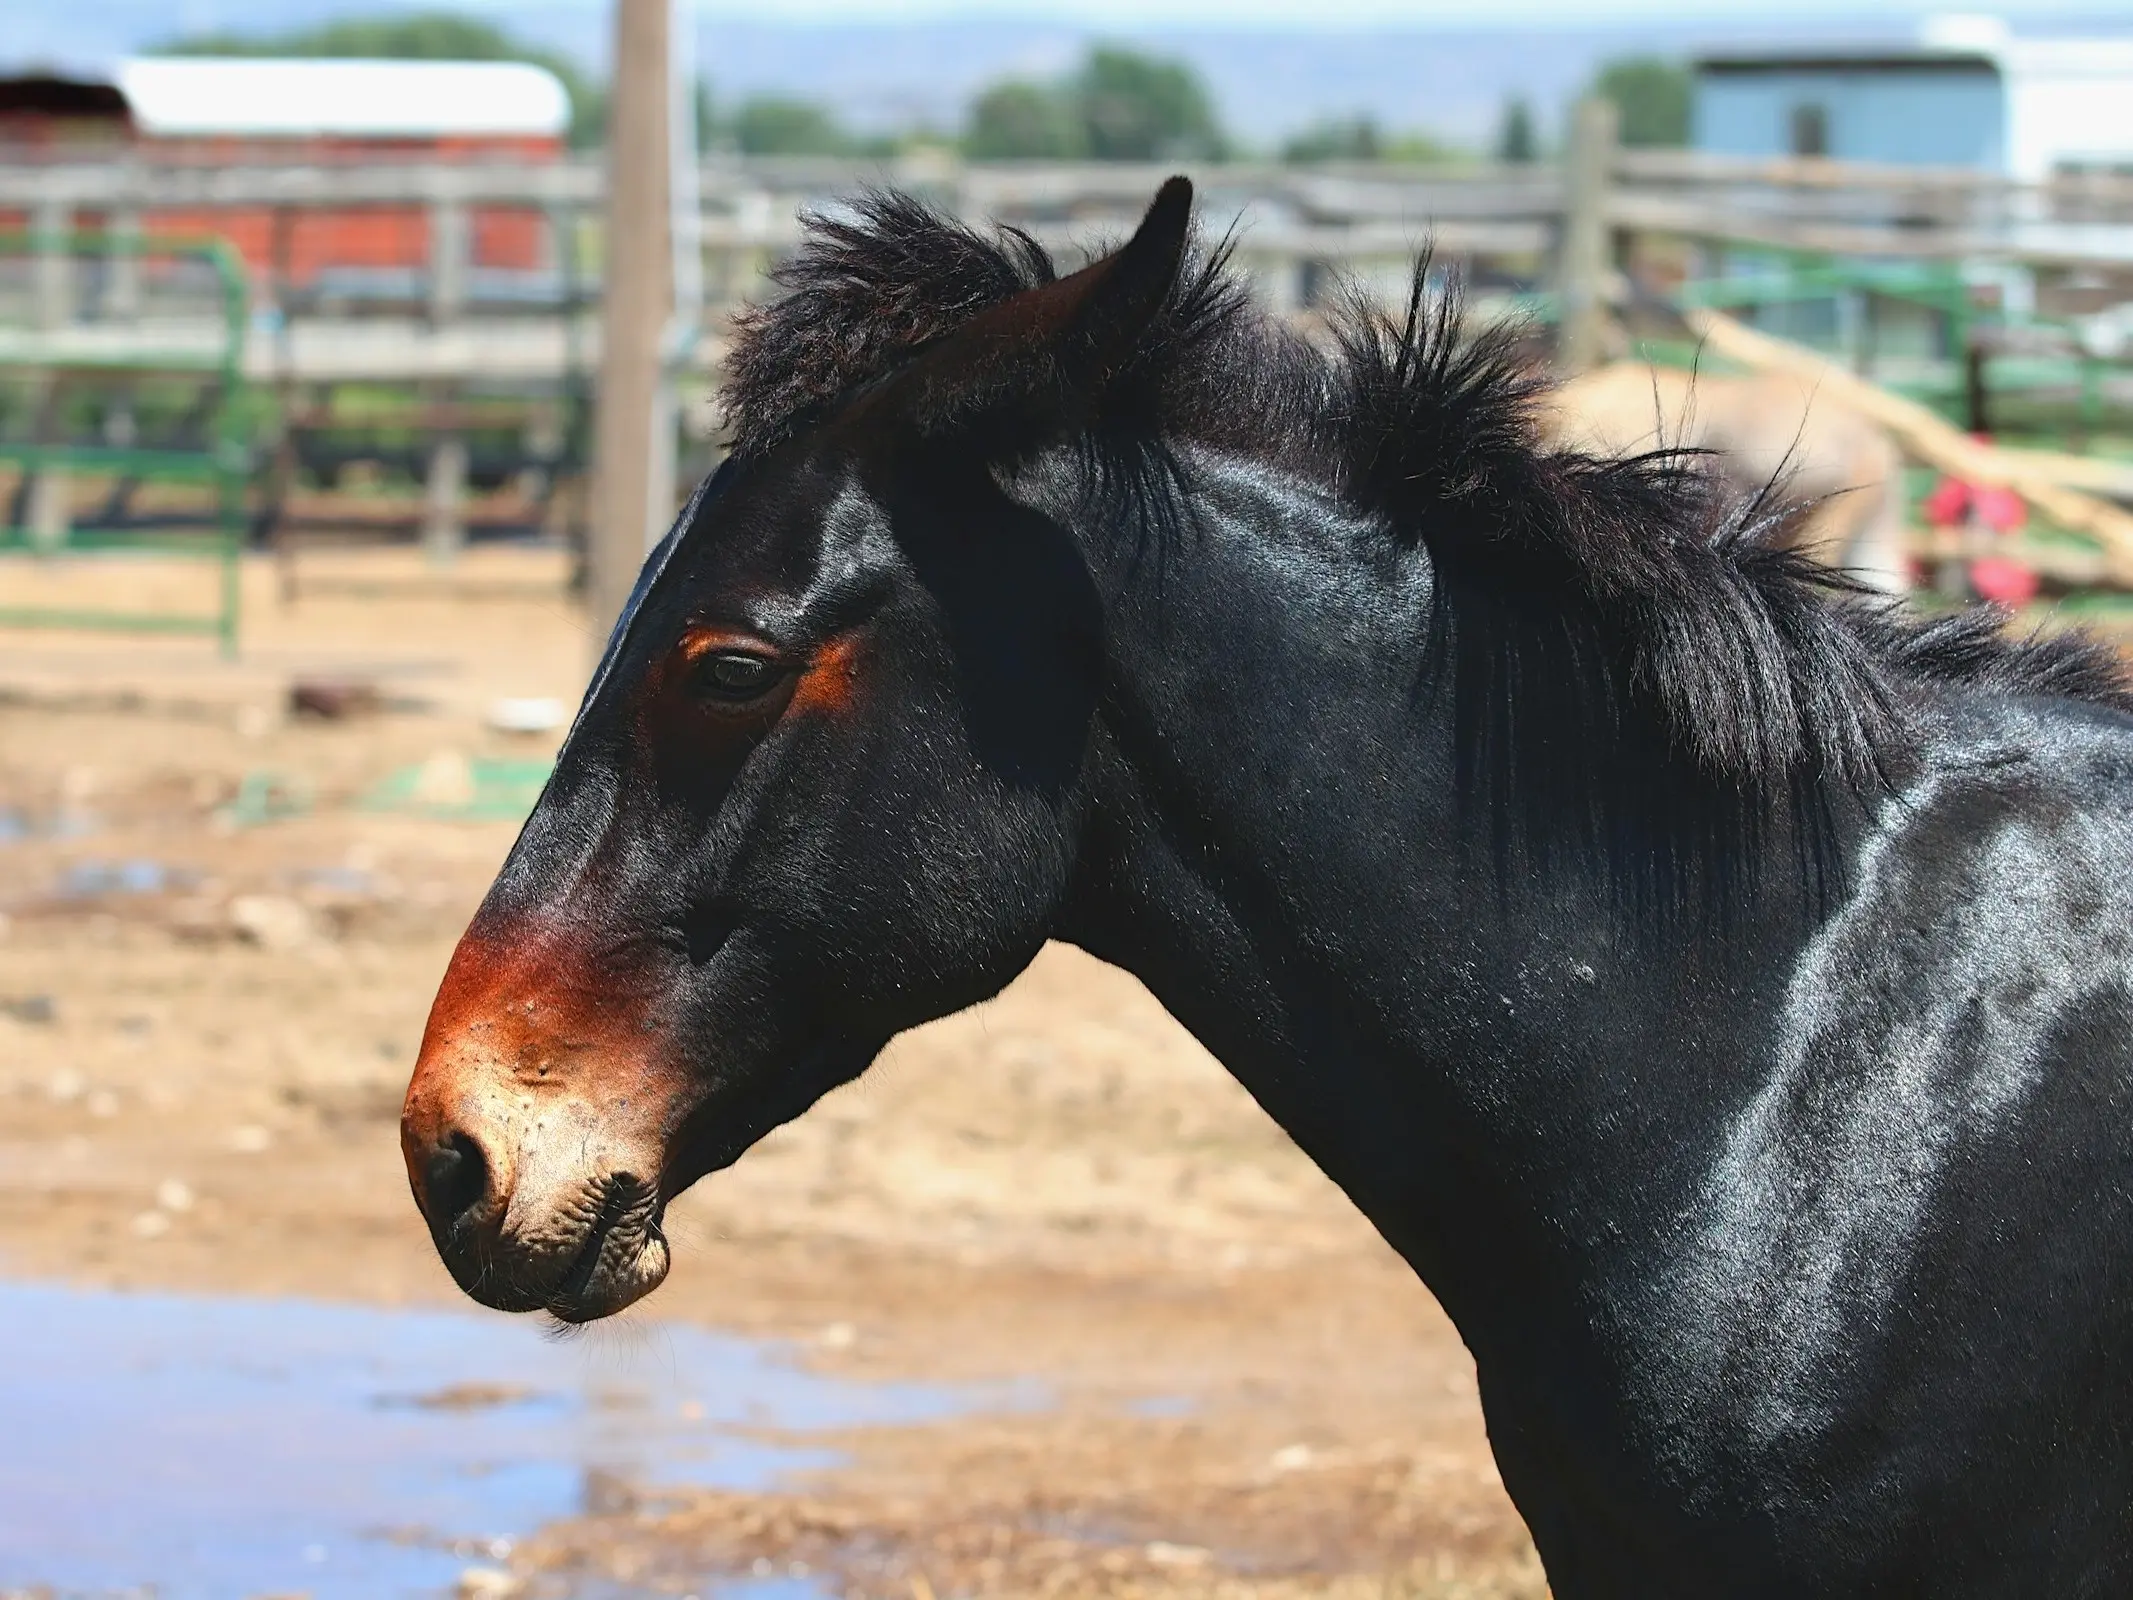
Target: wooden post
[
  {"x": 122, "y": 301},
  {"x": 1582, "y": 269},
  {"x": 50, "y": 491},
  {"x": 50, "y": 224},
  {"x": 634, "y": 313},
  {"x": 122, "y": 294},
  {"x": 50, "y": 510},
  {"x": 1977, "y": 397},
  {"x": 444, "y": 531},
  {"x": 451, "y": 258},
  {"x": 281, "y": 267},
  {"x": 559, "y": 250},
  {"x": 272, "y": 520}
]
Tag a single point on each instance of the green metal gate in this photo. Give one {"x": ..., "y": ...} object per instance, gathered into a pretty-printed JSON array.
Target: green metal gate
[{"x": 79, "y": 316}]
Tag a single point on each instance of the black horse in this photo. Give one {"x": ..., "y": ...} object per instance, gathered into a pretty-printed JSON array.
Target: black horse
[{"x": 1716, "y": 988}]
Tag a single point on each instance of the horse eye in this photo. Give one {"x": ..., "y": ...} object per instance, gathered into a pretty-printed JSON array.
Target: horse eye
[{"x": 735, "y": 675}]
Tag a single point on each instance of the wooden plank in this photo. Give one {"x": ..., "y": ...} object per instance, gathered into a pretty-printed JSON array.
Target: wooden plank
[
  {"x": 2090, "y": 474},
  {"x": 2071, "y": 568},
  {"x": 1804, "y": 172},
  {"x": 2104, "y": 244},
  {"x": 635, "y": 305},
  {"x": 1583, "y": 258},
  {"x": 1926, "y": 437},
  {"x": 1334, "y": 212}
]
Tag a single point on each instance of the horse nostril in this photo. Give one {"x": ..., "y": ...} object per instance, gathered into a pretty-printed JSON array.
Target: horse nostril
[{"x": 456, "y": 1178}]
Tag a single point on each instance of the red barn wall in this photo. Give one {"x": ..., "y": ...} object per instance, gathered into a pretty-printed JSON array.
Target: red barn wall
[{"x": 310, "y": 240}]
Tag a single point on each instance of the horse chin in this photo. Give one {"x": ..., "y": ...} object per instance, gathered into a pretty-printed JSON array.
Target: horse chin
[
  {"x": 585, "y": 1254},
  {"x": 622, "y": 1267}
]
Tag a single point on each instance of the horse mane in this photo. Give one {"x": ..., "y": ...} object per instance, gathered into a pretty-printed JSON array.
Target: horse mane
[
  {"x": 1626, "y": 628},
  {"x": 868, "y": 290}
]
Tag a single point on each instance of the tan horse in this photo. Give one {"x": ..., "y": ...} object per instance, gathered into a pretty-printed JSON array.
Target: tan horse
[{"x": 1758, "y": 426}]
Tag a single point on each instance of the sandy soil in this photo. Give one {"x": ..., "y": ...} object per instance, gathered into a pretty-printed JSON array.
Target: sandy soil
[{"x": 200, "y": 1077}]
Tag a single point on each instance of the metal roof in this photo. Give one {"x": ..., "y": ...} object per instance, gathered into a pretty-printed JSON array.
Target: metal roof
[
  {"x": 1878, "y": 59},
  {"x": 174, "y": 96},
  {"x": 1946, "y": 43}
]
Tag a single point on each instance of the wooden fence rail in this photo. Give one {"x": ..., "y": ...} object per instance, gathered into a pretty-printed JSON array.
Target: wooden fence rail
[
  {"x": 451, "y": 319},
  {"x": 1290, "y": 223}
]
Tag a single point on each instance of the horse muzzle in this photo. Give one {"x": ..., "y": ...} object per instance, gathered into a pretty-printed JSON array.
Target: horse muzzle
[
  {"x": 531, "y": 1205},
  {"x": 535, "y": 1137}
]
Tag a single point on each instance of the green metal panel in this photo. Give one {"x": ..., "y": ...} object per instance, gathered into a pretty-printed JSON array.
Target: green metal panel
[
  {"x": 2070, "y": 385},
  {"x": 116, "y": 621},
  {"x": 209, "y": 543},
  {"x": 223, "y": 465}
]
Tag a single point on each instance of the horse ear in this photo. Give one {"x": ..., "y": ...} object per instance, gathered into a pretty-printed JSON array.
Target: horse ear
[{"x": 1036, "y": 366}]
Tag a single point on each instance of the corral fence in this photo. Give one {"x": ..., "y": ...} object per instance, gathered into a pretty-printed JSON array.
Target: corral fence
[
  {"x": 121, "y": 380},
  {"x": 1295, "y": 228},
  {"x": 466, "y": 382}
]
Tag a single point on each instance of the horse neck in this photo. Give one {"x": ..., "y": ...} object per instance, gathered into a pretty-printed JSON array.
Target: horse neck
[{"x": 1495, "y": 1077}]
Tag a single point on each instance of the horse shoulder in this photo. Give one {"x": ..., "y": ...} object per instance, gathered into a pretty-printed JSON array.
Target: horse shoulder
[{"x": 1979, "y": 971}]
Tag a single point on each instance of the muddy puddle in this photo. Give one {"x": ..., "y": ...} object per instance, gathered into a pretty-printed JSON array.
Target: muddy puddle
[
  {"x": 19, "y": 826},
  {"x": 196, "y": 1448}
]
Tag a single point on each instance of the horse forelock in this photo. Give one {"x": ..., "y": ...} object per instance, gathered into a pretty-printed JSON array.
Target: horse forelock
[{"x": 865, "y": 290}]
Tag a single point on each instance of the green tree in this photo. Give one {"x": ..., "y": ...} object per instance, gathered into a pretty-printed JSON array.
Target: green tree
[
  {"x": 1424, "y": 149},
  {"x": 709, "y": 131},
  {"x": 414, "y": 36},
  {"x": 1337, "y": 139},
  {"x": 1517, "y": 141},
  {"x": 1016, "y": 120},
  {"x": 1652, "y": 96},
  {"x": 1142, "y": 108},
  {"x": 770, "y": 125},
  {"x": 1360, "y": 138}
]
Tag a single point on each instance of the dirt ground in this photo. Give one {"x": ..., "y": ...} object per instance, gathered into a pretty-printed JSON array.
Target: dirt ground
[{"x": 207, "y": 1020}]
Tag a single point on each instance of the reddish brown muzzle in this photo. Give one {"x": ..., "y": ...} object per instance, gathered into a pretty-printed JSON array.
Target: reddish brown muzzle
[{"x": 535, "y": 1129}]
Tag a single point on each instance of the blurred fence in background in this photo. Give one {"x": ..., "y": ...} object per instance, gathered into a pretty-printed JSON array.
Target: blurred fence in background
[
  {"x": 457, "y": 315},
  {"x": 460, "y": 370}
]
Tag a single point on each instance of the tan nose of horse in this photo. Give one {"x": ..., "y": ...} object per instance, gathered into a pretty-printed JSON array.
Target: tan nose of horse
[
  {"x": 537, "y": 1195},
  {"x": 533, "y": 1133},
  {"x": 463, "y": 1192}
]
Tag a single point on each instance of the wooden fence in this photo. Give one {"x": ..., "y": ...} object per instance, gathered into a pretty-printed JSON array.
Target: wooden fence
[
  {"x": 453, "y": 317},
  {"x": 450, "y": 321}
]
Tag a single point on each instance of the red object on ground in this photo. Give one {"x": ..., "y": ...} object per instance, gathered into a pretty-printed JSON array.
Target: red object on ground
[
  {"x": 1948, "y": 504},
  {"x": 2002, "y": 581},
  {"x": 2001, "y": 510},
  {"x": 1954, "y": 502}
]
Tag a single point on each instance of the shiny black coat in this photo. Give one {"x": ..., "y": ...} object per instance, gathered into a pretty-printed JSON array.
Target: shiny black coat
[{"x": 1718, "y": 990}]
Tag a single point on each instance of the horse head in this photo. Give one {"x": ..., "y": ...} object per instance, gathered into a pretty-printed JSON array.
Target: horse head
[{"x": 825, "y": 787}]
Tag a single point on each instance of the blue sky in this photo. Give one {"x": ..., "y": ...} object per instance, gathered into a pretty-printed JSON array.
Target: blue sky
[
  {"x": 1379, "y": 13},
  {"x": 1446, "y": 66}
]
